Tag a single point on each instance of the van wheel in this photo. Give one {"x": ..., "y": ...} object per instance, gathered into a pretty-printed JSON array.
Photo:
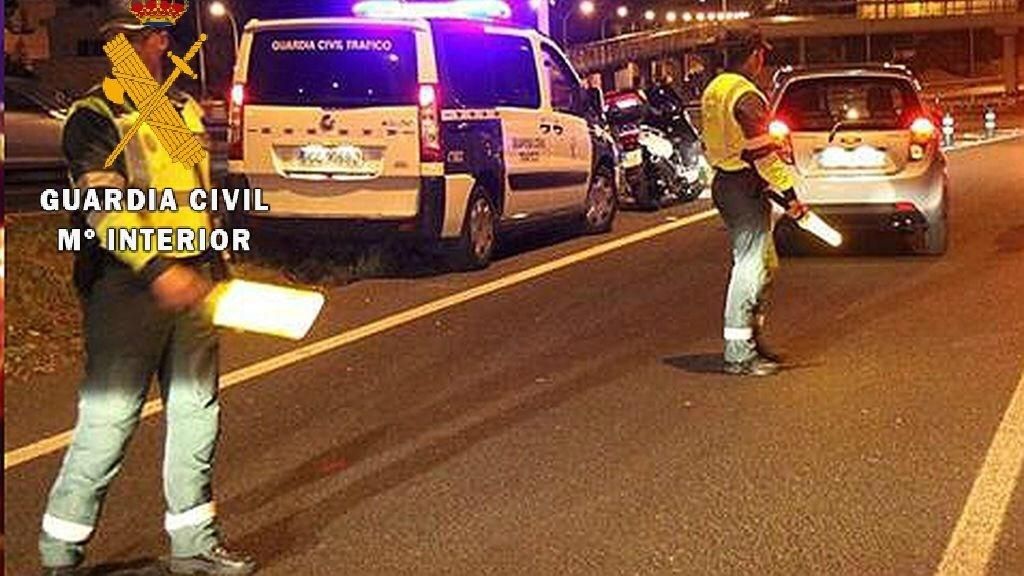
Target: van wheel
[
  {"x": 475, "y": 246},
  {"x": 602, "y": 203}
]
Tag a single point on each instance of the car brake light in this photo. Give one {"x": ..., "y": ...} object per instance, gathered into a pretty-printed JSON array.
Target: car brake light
[
  {"x": 236, "y": 122},
  {"x": 922, "y": 132},
  {"x": 430, "y": 124},
  {"x": 778, "y": 129},
  {"x": 629, "y": 138}
]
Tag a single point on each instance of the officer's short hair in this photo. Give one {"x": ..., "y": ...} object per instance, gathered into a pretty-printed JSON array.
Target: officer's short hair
[{"x": 741, "y": 45}]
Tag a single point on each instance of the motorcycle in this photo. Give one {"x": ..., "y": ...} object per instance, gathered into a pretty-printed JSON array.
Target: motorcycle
[{"x": 661, "y": 154}]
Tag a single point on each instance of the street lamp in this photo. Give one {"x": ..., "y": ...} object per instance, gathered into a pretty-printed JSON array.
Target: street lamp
[
  {"x": 650, "y": 15},
  {"x": 621, "y": 12},
  {"x": 687, "y": 17},
  {"x": 219, "y": 10},
  {"x": 671, "y": 16},
  {"x": 586, "y": 7}
]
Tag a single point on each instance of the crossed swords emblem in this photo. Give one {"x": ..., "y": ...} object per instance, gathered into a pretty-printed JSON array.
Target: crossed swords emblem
[{"x": 155, "y": 109}]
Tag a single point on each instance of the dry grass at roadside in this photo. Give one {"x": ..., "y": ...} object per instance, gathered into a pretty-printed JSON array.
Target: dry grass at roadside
[
  {"x": 44, "y": 320},
  {"x": 44, "y": 326}
]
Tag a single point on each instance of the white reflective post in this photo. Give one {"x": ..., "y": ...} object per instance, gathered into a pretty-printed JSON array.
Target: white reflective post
[
  {"x": 990, "y": 123},
  {"x": 947, "y": 130}
]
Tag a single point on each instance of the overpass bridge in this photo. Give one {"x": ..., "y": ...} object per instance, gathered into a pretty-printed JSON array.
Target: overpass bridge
[{"x": 868, "y": 32}]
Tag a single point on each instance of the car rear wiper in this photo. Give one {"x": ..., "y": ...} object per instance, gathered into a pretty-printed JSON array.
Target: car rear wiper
[
  {"x": 835, "y": 129},
  {"x": 845, "y": 124}
]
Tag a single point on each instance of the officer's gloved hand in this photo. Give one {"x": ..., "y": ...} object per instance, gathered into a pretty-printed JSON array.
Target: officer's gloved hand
[
  {"x": 790, "y": 203},
  {"x": 796, "y": 209},
  {"x": 179, "y": 288}
]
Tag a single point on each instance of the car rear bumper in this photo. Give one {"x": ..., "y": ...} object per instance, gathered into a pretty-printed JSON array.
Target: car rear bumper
[
  {"x": 899, "y": 202},
  {"x": 902, "y": 217}
]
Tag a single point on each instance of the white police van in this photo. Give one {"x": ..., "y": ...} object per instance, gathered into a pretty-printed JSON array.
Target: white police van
[{"x": 448, "y": 129}]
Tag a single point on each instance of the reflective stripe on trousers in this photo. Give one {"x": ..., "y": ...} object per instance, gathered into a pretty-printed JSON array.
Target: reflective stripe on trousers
[
  {"x": 739, "y": 197},
  {"x": 128, "y": 342}
]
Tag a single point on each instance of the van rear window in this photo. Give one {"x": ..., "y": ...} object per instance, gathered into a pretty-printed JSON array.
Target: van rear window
[{"x": 337, "y": 67}]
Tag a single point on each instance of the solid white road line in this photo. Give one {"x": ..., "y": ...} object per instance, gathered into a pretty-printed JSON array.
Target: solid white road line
[
  {"x": 977, "y": 531},
  {"x": 57, "y": 442}
]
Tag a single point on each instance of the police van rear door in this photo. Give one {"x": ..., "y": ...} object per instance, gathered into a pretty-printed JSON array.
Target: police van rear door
[{"x": 332, "y": 116}]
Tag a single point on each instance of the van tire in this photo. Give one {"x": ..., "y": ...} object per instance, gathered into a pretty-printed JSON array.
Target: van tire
[
  {"x": 475, "y": 246},
  {"x": 601, "y": 204}
]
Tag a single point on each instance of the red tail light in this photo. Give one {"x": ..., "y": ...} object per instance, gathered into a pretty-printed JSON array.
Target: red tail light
[
  {"x": 629, "y": 139},
  {"x": 236, "y": 122},
  {"x": 922, "y": 134},
  {"x": 922, "y": 130},
  {"x": 779, "y": 131},
  {"x": 430, "y": 124}
]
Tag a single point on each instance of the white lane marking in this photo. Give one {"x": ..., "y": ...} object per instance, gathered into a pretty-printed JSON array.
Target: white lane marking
[
  {"x": 977, "y": 531},
  {"x": 57, "y": 442}
]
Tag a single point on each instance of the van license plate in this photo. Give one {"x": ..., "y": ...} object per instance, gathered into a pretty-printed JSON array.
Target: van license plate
[{"x": 339, "y": 158}]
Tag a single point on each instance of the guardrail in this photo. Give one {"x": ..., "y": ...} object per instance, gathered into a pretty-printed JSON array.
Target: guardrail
[
  {"x": 875, "y": 9},
  {"x": 871, "y": 17}
]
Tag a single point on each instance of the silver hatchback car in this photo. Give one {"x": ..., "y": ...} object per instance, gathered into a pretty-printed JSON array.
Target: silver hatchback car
[{"x": 866, "y": 150}]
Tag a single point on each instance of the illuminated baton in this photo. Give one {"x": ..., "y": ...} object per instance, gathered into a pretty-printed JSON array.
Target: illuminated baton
[
  {"x": 146, "y": 108},
  {"x": 813, "y": 223},
  {"x": 264, "y": 308}
]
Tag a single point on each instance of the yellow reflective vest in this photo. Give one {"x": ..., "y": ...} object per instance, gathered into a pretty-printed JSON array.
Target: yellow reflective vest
[
  {"x": 727, "y": 147},
  {"x": 145, "y": 165}
]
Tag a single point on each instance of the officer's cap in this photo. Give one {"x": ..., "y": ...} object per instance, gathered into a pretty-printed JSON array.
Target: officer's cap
[{"x": 119, "y": 18}]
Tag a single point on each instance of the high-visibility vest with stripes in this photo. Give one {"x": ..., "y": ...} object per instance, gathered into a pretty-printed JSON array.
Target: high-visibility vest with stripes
[
  {"x": 148, "y": 165},
  {"x": 723, "y": 135}
]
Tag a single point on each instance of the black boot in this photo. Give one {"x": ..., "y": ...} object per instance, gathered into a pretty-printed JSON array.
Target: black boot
[
  {"x": 756, "y": 366},
  {"x": 218, "y": 561}
]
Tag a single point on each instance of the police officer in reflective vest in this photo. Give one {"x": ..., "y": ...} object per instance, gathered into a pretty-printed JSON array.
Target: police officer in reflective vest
[
  {"x": 748, "y": 170},
  {"x": 143, "y": 318}
]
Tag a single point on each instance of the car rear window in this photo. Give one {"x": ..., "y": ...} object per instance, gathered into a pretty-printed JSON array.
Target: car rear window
[
  {"x": 342, "y": 67},
  {"x": 870, "y": 103}
]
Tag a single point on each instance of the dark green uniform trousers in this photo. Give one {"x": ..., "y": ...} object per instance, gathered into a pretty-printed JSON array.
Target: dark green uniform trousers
[
  {"x": 741, "y": 201},
  {"x": 129, "y": 341}
]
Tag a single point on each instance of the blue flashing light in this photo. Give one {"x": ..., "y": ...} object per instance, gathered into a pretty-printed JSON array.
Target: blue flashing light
[{"x": 469, "y": 9}]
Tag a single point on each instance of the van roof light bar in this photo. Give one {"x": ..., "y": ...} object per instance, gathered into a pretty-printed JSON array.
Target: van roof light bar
[{"x": 465, "y": 9}]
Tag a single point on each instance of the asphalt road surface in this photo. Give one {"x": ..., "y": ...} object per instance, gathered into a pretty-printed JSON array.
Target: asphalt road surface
[{"x": 571, "y": 419}]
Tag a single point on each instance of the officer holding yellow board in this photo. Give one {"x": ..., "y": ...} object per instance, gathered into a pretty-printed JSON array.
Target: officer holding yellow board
[
  {"x": 145, "y": 316},
  {"x": 748, "y": 171}
]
